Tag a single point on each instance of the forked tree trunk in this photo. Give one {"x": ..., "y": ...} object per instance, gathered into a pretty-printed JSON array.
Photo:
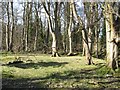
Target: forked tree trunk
[
  {"x": 87, "y": 50},
  {"x": 84, "y": 34},
  {"x": 54, "y": 40}
]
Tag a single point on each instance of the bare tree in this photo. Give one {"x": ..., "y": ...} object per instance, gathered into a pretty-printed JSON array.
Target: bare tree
[
  {"x": 53, "y": 32},
  {"x": 69, "y": 30},
  {"x": 12, "y": 29},
  {"x": 84, "y": 34},
  {"x": 37, "y": 26}
]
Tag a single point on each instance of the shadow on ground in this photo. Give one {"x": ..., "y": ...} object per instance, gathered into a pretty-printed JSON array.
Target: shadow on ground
[
  {"x": 37, "y": 65},
  {"x": 68, "y": 79},
  {"x": 75, "y": 79}
]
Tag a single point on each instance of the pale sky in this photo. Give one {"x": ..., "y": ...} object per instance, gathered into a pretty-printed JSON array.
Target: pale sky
[{"x": 20, "y": 8}]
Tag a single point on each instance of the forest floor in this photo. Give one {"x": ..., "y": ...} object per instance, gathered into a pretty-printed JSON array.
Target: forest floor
[{"x": 43, "y": 71}]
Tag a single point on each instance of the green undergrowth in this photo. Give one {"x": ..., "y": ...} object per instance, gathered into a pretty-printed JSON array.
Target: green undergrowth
[
  {"x": 104, "y": 71},
  {"x": 37, "y": 71}
]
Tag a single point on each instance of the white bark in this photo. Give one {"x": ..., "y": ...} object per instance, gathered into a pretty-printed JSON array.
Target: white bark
[
  {"x": 107, "y": 37},
  {"x": 69, "y": 31},
  {"x": 90, "y": 39}
]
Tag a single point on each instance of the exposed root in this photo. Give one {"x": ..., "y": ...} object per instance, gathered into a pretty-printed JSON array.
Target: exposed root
[{"x": 55, "y": 55}]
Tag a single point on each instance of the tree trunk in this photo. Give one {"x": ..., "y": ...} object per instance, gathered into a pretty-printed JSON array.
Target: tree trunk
[
  {"x": 113, "y": 50},
  {"x": 37, "y": 26},
  {"x": 46, "y": 25},
  {"x": 66, "y": 26},
  {"x": 7, "y": 28},
  {"x": 87, "y": 49},
  {"x": 12, "y": 29},
  {"x": 30, "y": 26},
  {"x": 1, "y": 26},
  {"x": 83, "y": 51},
  {"x": 35, "y": 39},
  {"x": 96, "y": 42},
  {"x": 108, "y": 33},
  {"x": 23, "y": 32},
  {"x": 26, "y": 38},
  {"x": 69, "y": 32},
  {"x": 54, "y": 40},
  {"x": 90, "y": 20},
  {"x": 97, "y": 30},
  {"x": 47, "y": 38},
  {"x": 64, "y": 40},
  {"x": 90, "y": 41},
  {"x": 84, "y": 34},
  {"x": 112, "y": 53},
  {"x": 26, "y": 27},
  {"x": 0, "y": 37},
  {"x": 54, "y": 48}
]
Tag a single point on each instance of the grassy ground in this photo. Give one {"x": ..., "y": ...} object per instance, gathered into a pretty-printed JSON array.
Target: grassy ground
[{"x": 43, "y": 71}]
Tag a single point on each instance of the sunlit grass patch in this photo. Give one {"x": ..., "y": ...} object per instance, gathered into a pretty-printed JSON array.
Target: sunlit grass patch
[{"x": 55, "y": 72}]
